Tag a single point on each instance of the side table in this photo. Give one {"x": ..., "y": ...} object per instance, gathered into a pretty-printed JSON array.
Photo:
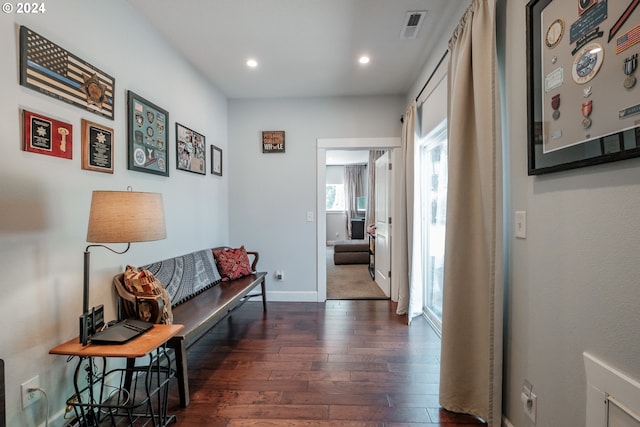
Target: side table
[{"x": 135, "y": 394}]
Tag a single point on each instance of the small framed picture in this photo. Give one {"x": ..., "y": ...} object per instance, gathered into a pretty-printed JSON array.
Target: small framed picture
[
  {"x": 216, "y": 160},
  {"x": 44, "y": 135},
  {"x": 148, "y": 135},
  {"x": 190, "y": 150},
  {"x": 273, "y": 141},
  {"x": 97, "y": 147}
]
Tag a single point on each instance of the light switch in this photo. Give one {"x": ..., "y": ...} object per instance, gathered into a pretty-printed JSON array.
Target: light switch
[
  {"x": 310, "y": 216},
  {"x": 521, "y": 225}
]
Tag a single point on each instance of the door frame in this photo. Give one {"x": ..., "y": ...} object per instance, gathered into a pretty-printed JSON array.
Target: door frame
[{"x": 323, "y": 144}]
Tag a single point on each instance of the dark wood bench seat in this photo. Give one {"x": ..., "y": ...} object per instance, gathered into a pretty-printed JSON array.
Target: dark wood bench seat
[{"x": 200, "y": 310}]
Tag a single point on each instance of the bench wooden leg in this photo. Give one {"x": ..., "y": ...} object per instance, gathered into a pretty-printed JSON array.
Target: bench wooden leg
[
  {"x": 181, "y": 371},
  {"x": 263, "y": 285}
]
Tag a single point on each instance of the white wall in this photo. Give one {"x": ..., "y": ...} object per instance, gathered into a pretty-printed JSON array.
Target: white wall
[
  {"x": 44, "y": 201},
  {"x": 573, "y": 285},
  {"x": 270, "y": 194}
]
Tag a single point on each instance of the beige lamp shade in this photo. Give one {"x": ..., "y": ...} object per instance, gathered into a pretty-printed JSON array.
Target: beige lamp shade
[{"x": 125, "y": 217}]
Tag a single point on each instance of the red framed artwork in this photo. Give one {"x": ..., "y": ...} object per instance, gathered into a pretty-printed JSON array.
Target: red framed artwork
[{"x": 44, "y": 135}]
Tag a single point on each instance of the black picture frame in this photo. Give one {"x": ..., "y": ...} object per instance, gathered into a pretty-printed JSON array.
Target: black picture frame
[
  {"x": 147, "y": 136},
  {"x": 191, "y": 151},
  {"x": 216, "y": 160},
  {"x": 557, "y": 30}
]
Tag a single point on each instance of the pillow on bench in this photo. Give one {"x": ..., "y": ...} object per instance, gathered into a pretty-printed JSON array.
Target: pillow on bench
[
  {"x": 146, "y": 288},
  {"x": 232, "y": 263}
]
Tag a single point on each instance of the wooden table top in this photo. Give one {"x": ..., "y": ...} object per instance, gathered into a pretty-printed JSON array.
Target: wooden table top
[{"x": 137, "y": 347}]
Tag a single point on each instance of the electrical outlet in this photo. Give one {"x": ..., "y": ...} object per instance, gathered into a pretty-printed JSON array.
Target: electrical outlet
[
  {"x": 279, "y": 275},
  {"x": 531, "y": 406},
  {"x": 30, "y": 397}
]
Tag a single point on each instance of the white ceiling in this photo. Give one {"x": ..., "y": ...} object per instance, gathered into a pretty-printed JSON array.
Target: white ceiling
[{"x": 304, "y": 47}]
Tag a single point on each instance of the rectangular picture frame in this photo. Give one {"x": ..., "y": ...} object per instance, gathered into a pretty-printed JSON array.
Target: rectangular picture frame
[
  {"x": 97, "y": 147},
  {"x": 579, "y": 90},
  {"x": 216, "y": 160},
  {"x": 46, "y": 135},
  {"x": 190, "y": 150},
  {"x": 54, "y": 71},
  {"x": 273, "y": 141},
  {"x": 147, "y": 136}
]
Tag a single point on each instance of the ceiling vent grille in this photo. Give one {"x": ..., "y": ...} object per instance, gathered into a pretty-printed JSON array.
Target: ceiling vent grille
[{"x": 412, "y": 24}]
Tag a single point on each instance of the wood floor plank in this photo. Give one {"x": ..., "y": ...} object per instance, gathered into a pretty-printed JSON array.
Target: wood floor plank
[{"x": 333, "y": 364}]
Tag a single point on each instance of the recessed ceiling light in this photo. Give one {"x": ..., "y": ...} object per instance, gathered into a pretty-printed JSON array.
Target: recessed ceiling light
[
  {"x": 252, "y": 63},
  {"x": 364, "y": 59}
]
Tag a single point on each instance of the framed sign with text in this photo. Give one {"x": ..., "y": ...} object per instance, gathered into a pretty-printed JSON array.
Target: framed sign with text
[
  {"x": 273, "y": 141},
  {"x": 44, "y": 135},
  {"x": 583, "y": 100},
  {"x": 97, "y": 147}
]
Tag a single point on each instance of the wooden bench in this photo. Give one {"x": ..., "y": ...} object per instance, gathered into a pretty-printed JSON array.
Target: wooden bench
[{"x": 204, "y": 305}]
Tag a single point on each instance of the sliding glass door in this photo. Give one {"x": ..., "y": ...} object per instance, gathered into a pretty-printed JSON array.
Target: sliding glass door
[{"x": 433, "y": 204}]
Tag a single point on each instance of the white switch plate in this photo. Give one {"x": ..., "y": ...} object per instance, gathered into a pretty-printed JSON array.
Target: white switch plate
[
  {"x": 310, "y": 216},
  {"x": 520, "y": 226}
]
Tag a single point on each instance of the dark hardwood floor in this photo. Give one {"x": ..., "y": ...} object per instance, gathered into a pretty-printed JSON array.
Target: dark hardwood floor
[{"x": 339, "y": 364}]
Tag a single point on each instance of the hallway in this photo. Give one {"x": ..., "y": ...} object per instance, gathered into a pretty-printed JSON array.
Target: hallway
[{"x": 339, "y": 364}]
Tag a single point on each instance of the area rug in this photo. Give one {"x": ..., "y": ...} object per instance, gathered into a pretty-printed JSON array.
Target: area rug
[{"x": 350, "y": 281}]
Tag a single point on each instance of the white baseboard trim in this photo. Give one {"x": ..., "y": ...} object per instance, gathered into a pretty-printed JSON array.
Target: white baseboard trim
[
  {"x": 292, "y": 296},
  {"x": 506, "y": 422}
]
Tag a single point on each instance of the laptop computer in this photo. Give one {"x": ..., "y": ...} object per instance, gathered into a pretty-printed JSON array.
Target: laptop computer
[{"x": 121, "y": 332}]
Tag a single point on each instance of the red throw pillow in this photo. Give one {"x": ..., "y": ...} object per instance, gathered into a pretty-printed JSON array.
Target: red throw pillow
[{"x": 232, "y": 263}]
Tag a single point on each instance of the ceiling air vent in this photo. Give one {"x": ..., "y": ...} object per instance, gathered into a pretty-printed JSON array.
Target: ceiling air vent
[{"x": 412, "y": 24}]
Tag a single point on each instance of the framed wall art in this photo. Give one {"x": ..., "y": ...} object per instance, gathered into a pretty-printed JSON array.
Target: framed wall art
[
  {"x": 273, "y": 141},
  {"x": 583, "y": 100},
  {"x": 54, "y": 71},
  {"x": 216, "y": 160},
  {"x": 44, "y": 135},
  {"x": 190, "y": 150},
  {"x": 147, "y": 136},
  {"x": 97, "y": 147}
]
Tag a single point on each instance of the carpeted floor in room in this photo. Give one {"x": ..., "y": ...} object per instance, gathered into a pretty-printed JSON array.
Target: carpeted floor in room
[{"x": 350, "y": 281}]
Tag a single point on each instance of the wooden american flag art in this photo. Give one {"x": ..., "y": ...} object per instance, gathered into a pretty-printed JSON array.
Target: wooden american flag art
[{"x": 52, "y": 70}]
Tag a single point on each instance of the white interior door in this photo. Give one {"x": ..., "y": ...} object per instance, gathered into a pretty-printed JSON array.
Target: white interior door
[{"x": 382, "y": 249}]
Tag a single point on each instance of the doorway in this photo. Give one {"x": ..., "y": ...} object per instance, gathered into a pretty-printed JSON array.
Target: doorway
[
  {"x": 324, "y": 145},
  {"x": 350, "y": 203}
]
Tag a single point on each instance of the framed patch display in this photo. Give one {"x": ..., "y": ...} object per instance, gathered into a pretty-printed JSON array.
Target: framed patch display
[
  {"x": 147, "y": 136},
  {"x": 583, "y": 100},
  {"x": 44, "y": 135},
  {"x": 97, "y": 147},
  {"x": 54, "y": 71},
  {"x": 190, "y": 150}
]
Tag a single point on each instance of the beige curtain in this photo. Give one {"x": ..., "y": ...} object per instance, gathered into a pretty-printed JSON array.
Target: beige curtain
[
  {"x": 354, "y": 182},
  {"x": 404, "y": 225},
  {"x": 471, "y": 376}
]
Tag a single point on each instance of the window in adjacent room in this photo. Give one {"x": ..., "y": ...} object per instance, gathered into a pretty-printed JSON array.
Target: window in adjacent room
[{"x": 335, "y": 197}]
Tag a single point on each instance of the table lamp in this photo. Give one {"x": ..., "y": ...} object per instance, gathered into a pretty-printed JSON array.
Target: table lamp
[{"x": 118, "y": 217}]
